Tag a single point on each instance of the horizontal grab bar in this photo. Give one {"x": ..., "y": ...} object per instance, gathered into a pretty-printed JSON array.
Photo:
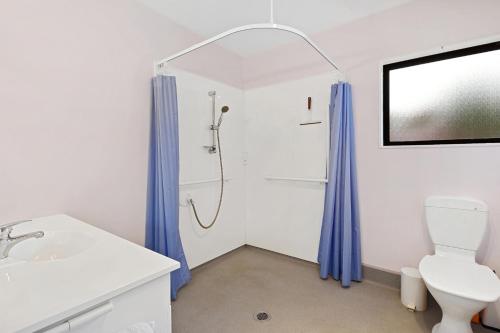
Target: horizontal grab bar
[
  {"x": 204, "y": 181},
  {"x": 310, "y": 180},
  {"x": 61, "y": 328}
]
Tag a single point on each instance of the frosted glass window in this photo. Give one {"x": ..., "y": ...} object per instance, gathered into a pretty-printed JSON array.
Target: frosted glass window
[{"x": 453, "y": 97}]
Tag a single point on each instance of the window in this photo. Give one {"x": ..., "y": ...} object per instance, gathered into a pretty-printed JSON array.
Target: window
[{"x": 447, "y": 98}]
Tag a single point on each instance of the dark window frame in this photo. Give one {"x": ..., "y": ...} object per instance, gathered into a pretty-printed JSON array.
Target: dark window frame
[{"x": 419, "y": 61}]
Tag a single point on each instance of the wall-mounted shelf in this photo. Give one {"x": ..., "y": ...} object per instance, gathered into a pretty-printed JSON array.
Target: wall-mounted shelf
[
  {"x": 203, "y": 181},
  {"x": 308, "y": 180}
]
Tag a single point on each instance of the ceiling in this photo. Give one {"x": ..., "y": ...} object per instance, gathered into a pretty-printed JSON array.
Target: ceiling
[{"x": 210, "y": 17}]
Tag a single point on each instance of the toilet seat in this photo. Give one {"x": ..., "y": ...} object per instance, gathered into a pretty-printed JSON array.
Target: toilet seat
[{"x": 460, "y": 278}]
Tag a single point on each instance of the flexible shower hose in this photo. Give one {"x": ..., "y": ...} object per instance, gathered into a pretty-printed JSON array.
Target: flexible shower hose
[{"x": 221, "y": 190}]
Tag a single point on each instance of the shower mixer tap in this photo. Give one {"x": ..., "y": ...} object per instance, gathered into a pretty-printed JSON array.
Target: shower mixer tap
[{"x": 211, "y": 149}]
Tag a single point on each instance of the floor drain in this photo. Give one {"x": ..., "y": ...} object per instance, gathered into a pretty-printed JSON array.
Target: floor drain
[{"x": 262, "y": 316}]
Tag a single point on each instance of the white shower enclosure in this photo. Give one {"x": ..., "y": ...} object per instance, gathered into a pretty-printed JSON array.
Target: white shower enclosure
[
  {"x": 275, "y": 168},
  {"x": 199, "y": 170}
]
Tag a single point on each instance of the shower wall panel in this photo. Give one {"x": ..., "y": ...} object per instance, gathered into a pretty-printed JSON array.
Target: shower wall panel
[
  {"x": 196, "y": 164},
  {"x": 285, "y": 215}
]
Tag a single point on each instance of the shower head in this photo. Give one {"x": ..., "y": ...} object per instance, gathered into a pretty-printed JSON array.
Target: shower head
[{"x": 223, "y": 110}]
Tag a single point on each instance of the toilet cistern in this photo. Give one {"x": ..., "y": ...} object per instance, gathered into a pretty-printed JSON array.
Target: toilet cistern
[{"x": 7, "y": 242}]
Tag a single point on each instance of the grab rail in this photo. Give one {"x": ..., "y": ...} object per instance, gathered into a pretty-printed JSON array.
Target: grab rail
[
  {"x": 309, "y": 180},
  {"x": 203, "y": 181}
]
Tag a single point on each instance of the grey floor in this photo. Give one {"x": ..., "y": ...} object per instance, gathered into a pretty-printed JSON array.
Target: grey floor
[{"x": 225, "y": 294}]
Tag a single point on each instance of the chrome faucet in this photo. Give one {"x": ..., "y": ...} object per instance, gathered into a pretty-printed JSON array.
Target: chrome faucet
[{"x": 7, "y": 242}]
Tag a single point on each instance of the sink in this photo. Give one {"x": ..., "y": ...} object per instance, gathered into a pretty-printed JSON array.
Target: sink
[{"x": 54, "y": 245}]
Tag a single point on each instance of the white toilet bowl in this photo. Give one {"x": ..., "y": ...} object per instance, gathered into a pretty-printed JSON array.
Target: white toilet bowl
[
  {"x": 461, "y": 287},
  {"x": 457, "y": 312}
]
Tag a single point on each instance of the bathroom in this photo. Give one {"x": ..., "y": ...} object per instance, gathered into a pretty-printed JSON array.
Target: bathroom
[{"x": 77, "y": 128}]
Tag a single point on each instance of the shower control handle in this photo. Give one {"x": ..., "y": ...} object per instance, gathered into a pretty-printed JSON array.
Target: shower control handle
[{"x": 211, "y": 149}]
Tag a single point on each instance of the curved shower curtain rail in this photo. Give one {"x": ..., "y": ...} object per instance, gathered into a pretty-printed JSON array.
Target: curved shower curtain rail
[{"x": 259, "y": 26}]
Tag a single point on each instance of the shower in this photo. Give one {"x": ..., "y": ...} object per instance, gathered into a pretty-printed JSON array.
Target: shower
[{"x": 212, "y": 149}]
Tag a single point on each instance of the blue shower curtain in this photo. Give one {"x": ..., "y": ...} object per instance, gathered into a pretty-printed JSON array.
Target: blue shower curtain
[
  {"x": 339, "y": 252},
  {"x": 162, "y": 216}
]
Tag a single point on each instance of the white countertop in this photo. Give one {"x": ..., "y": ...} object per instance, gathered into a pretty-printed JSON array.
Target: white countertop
[{"x": 36, "y": 294}]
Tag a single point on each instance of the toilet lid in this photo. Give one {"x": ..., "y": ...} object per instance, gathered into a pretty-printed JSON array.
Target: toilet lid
[{"x": 460, "y": 277}]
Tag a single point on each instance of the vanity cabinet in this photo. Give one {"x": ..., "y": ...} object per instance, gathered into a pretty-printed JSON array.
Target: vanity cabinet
[{"x": 148, "y": 304}]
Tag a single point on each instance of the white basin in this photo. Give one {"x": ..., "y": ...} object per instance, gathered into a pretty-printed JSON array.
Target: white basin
[{"x": 54, "y": 245}]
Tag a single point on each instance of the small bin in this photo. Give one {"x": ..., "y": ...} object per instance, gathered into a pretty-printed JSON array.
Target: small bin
[{"x": 413, "y": 289}]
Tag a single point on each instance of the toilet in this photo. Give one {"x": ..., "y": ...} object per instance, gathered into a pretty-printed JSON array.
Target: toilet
[{"x": 460, "y": 286}]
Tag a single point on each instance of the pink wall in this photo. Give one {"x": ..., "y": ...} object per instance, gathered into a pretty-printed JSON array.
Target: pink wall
[
  {"x": 395, "y": 182},
  {"x": 74, "y": 112},
  {"x": 74, "y": 106}
]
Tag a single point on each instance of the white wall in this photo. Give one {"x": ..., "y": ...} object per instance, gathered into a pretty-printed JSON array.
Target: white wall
[
  {"x": 285, "y": 216},
  {"x": 195, "y": 116}
]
